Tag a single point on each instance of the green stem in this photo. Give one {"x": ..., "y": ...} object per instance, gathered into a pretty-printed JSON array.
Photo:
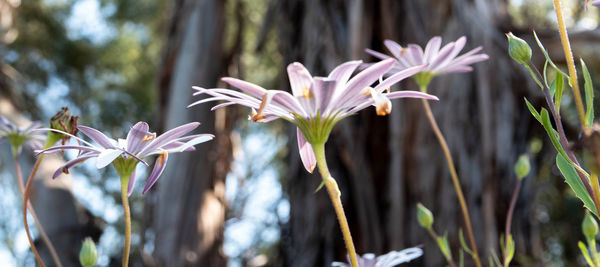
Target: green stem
[
  {"x": 43, "y": 234},
  {"x": 335, "y": 195},
  {"x": 454, "y": 176},
  {"x": 127, "y": 213}
]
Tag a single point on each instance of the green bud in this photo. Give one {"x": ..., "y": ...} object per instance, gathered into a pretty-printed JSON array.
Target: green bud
[
  {"x": 424, "y": 216},
  {"x": 522, "y": 167},
  {"x": 518, "y": 49},
  {"x": 88, "y": 254},
  {"x": 589, "y": 226},
  {"x": 63, "y": 121}
]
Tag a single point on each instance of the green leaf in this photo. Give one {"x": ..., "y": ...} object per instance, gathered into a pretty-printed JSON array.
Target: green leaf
[
  {"x": 559, "y": 82},
  {"x": 585, "y": 253},
  {"x": 534, "y": 112},
  {"x": 552, "y": 133},
  {"x": 510, "y": 250},
  {"x": 589, "y": 95},
  {"x": 444, "y": 247},
  {"x": 575, "y": 183}
]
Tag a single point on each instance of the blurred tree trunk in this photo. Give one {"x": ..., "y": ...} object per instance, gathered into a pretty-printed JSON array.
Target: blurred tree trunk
[
  {"x": 385, "y": 165},
  {"x": 187, "y": 207}
]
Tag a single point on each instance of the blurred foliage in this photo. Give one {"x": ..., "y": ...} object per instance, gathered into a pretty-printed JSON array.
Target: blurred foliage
[{"x": 112, "y": 82}]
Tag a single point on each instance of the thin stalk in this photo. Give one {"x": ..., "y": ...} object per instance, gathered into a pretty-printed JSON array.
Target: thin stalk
[
  {"x": 564, "y": 39},
  {"x": 335, "y": 195},
  {"x": 455, "y": 181},
  {"x": 509, "y": 215},
  {"x": 435, "y": 237},
  {"x": 127, "y": 213},
  {"x": 43, "y": 234},
  {"x": 25, "y": 201}
]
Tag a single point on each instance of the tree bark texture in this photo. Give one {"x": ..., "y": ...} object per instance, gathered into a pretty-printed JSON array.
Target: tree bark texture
[
  {"x": 187, "y": 208},
  {"x": 385, "y": 165}
]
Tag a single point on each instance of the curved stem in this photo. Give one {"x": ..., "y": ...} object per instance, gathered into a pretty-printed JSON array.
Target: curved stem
[
  {"x": 335, "y": 195},
  {"x": 43, "y": 234},
  {"x": 454, "y": 175},
  {"x": 127, "y": 213},
  {"x": 509, "y": 214},
  {"x": 564, "y": 39},
  {"x": 25, "y": 202}
]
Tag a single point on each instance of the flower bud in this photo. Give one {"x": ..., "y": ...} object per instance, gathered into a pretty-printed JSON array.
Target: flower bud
[
  {"x": 522, "y": 167},
  {"x": 424, "y": 216},
  {"x": 63, "y": 121},
  {"x": 589, "y": 226},
  {"x": 88, "y": 254},
  {"x": 518, "y": 49}
]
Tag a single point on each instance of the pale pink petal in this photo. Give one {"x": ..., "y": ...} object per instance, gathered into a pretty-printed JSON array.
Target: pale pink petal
[
  {"x": 300, "y": 79},
  {"x": 245, "y": 86},
  {"x": 159, "y": 166},
  {"x": 307, "y": 155},
  {"x": 432, "y": 48}
]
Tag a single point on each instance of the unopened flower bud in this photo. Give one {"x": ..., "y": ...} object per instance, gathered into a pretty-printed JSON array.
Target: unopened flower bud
[
  {"x": 88, "y": 254},
  {"x": 522, "y": 167},
  {"x": 424, "y": 216},
  {"x": 63, "y": 121},
  {"x": 518, "y": 49},
  {"x": 589, "y": 226}
]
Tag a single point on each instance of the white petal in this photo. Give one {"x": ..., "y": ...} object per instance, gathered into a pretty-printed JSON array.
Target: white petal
[{"x": 106, "y": 157}]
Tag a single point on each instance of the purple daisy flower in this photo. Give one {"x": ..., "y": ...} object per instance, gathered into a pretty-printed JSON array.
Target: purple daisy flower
[
  {"x": 19, "y": 137},
  {"x": 390, "y": 259},
  {"x": 316, "y": 104},
  {"x": 139, "y": 144},
  {"x": 438, "y": 60}
]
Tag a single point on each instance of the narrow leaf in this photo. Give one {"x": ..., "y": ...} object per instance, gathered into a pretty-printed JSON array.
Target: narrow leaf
[
  {"x": 585, "y": 253},
  {"x": 589, "y": 95},
  {"x": 552, "y": 87},
  {"x": 575, "y": 183},
  {"x": 560, "y": 83},
  {"x": 552, "y": 133},
  {"x": 510, "y": 250},
  {"x": 534, "y": 112}
]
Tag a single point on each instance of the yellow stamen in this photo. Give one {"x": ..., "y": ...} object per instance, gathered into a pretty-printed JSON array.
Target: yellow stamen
[
  {"x": 383, "y": 109},
  {"x": 306, "y": 92},
  {"x": 403, "y": 51},
  {"x": 257, "y": 116},
  {"x": 388, "y": 90},
  {"x": 367, "y": 92},
  {"x": 162, "y": 157},
  {"x": 147, "y": 138}
]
